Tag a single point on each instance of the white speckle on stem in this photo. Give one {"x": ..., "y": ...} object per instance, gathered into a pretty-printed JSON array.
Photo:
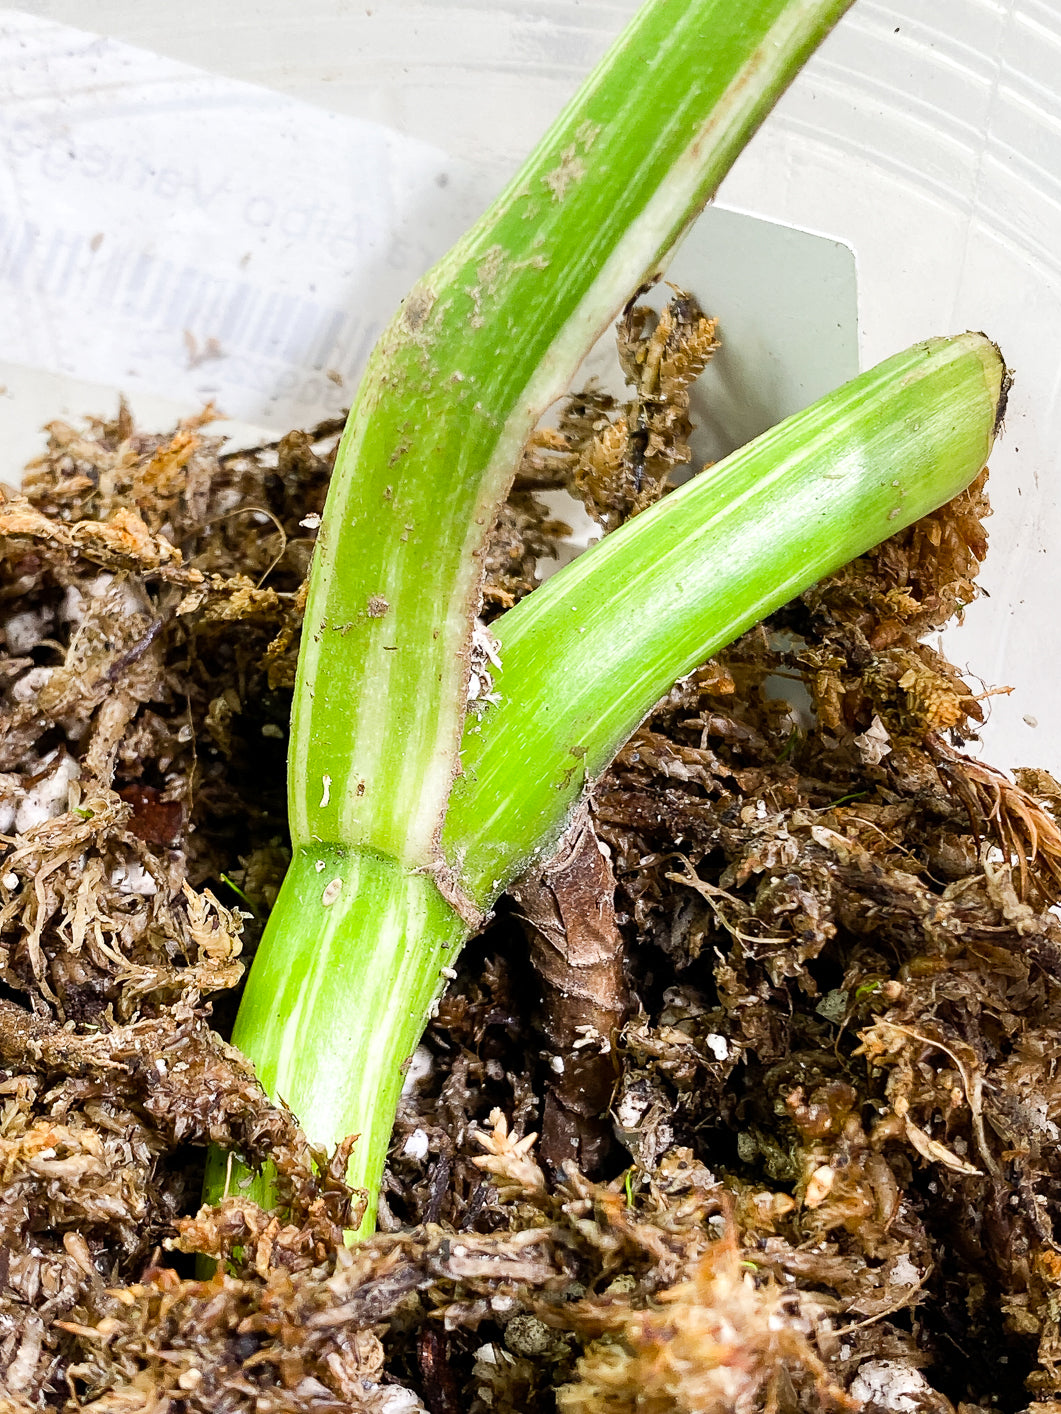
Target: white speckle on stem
[
  {"x": 331, "y": 892},
  {"x": 326, "y": 790}
]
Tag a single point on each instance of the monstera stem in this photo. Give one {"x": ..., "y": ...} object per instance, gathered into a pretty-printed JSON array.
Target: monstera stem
[{"x": 359, "y": 944}]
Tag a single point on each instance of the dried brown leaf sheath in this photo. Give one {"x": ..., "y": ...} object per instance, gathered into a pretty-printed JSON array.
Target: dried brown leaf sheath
[{"x": 568, "y": 909}]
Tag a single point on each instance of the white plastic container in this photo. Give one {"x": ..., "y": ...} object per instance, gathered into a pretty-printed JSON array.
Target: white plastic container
[{"x": 924, "y": 138}]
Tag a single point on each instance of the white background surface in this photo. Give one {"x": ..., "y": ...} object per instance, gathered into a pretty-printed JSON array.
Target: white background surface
[{"x": 927, "y": 137}]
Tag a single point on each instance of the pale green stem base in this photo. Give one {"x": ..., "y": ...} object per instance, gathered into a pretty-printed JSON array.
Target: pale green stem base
[{"x": 339, "y": 995}]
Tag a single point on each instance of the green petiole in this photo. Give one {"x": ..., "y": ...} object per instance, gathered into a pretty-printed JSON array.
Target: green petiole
[{"x": 586, "y": 657}]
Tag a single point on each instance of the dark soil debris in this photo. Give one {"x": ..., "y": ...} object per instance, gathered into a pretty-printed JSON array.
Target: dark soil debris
[{"x": 785, "y": 1011}]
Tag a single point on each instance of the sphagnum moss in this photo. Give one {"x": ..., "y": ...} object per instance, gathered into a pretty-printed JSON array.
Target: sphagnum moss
[{"x": 844, "y": 1064}]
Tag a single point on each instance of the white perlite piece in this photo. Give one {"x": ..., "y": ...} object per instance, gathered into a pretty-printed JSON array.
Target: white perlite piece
[
  {"x": 631, "y": 1110},
  {"x": 107, "y": 591},
  {"x": 890, "y": 1385},
  {"x": 874, "y": 743},
  {"x": 421, "y": 1064},
  {"x": 393, "y": 1399},
  {"x": 49, "y": 797},
  {"x": 416, "y": 1145},
  {"x": 904, "y": 1273},
  {"x": 133, "y": 878},
  {"x": 11, "y": 793},
  {"x": 25, "y": 630},
  {"x": 30, "y": 683}
]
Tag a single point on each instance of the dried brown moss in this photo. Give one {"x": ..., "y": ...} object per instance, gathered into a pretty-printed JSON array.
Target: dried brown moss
[{"x": 821, "y": 1037}]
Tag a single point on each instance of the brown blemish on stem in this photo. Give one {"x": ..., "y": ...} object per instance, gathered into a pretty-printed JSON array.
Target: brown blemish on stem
[
  {"x": 566, "y": 173},
  {"x": 416, "y": 309}
]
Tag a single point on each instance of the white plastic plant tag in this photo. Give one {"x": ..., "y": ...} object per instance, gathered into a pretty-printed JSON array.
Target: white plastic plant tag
[{"x": 168, "y": 231}]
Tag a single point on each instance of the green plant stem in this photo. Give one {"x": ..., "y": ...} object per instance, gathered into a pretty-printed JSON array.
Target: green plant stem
[
  {"x": 483, "y": 344},
  {"x": 332, "y": 1016},
  {"x": 588, "y": 654},
  {"x": 331, "y": 1035}
]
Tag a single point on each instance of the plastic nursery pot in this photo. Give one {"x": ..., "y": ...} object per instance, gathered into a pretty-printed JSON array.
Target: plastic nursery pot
[{"x": 206, "y": 215}]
